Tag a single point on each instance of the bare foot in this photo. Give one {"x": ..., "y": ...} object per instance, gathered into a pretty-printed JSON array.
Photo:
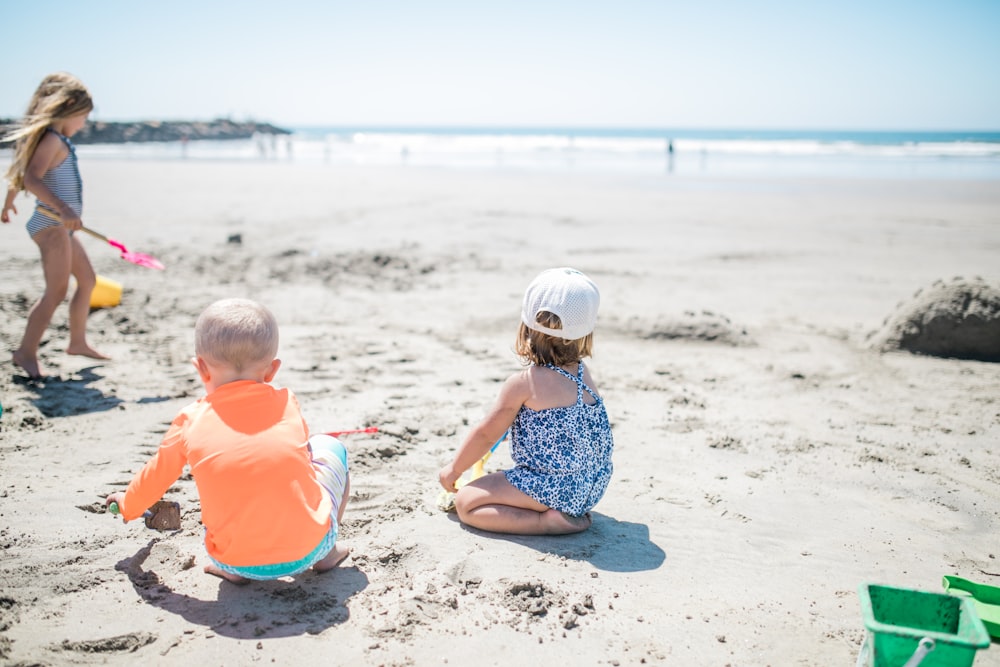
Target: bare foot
[
  {"x": 336, "y": 556},
  {"x": 232, "y": 578},
  {"x": 86, "y": 351},
  {"x": 28, "y": 363},
  {"x": 559, "y": 523}
]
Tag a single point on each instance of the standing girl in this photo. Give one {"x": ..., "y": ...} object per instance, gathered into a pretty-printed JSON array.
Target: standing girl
[
  {"x": 45, "y": 165},
  {"x": 560, "y": 435}
]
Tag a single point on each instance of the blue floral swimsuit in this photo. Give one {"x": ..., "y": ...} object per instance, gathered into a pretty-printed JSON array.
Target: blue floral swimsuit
[{"x": 562, "y": 455}]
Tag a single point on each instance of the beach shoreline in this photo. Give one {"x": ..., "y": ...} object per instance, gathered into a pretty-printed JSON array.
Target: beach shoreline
[{"x": 768, "y": 462}]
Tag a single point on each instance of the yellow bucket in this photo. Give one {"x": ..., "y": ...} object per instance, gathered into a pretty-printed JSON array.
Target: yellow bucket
[{"x": 107, "y": 293}]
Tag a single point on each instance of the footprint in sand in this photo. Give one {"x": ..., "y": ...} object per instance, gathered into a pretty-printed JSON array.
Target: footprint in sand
[{"x": 120, "y": 644}]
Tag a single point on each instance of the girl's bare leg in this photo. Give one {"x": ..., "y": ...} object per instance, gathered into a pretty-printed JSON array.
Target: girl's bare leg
[
  {"x": 57, "y": 260},
  {"x": 79, "y": 305},
  {"x": 491, "y": 503}
]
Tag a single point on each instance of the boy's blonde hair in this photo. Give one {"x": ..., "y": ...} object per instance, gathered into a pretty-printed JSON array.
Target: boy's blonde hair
[
  {"x": 535, "y": 347},
  {"x": 236, "y": 332},
  {"x": 59, "y": 96}
]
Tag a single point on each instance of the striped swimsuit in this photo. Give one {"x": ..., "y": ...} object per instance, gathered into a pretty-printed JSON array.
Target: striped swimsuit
[{"x": 64, "y": 182}]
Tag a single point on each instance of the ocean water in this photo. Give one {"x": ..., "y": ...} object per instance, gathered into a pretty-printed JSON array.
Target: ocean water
[{"x": 688, "y": 153}]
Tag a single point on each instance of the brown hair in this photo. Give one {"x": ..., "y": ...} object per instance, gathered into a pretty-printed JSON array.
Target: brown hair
[
  {"x": 535, "y": 347},
  {"x": 59, "y": 96}
]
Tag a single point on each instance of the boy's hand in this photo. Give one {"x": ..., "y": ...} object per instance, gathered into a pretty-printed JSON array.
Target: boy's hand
[{"x": 119, "y": 498}]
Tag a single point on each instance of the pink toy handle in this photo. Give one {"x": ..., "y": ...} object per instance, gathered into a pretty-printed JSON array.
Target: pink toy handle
[
  {"x": 83, "y": 228},
  {"x": 370, "y": 429},
  {"x": 97, "y": 235}
]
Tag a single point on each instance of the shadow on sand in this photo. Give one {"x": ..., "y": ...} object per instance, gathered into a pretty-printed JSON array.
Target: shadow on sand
[
  {"x": 308, "y": 603},
  {"x": 56, "y": 397},
  {"x": 609, "y": 544}
]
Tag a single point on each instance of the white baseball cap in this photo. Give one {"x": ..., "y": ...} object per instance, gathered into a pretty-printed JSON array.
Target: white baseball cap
[{"x": 566, "y": 293}]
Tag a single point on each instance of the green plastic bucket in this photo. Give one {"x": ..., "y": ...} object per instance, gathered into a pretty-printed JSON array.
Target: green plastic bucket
[{"x": 931, "y": 629}]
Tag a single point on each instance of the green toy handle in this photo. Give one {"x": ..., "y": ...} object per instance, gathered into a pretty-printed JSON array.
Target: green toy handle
[
  {"x": 115, "y": 510},
  {"x": 981, "y": 592}
]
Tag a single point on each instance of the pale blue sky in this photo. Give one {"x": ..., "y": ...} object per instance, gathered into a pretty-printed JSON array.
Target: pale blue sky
[{"x": 850, "y": 64}]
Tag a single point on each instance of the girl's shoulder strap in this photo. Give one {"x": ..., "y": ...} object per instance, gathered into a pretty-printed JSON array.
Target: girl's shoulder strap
[
  {"x": 553, "y": 367},
  {"x": 62, "y": 137},
  {"x": 578, "y": 379}
]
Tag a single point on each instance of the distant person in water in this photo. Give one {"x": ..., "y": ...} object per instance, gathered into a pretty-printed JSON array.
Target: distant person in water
[{"x": 45, "y": 165}]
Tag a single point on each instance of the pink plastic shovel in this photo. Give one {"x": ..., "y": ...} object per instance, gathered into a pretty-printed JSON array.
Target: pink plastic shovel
[{"x": 138, "y": 258}]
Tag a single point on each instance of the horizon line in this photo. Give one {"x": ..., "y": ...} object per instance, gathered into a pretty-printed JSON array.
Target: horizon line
[{"x": 525, "y": 127}]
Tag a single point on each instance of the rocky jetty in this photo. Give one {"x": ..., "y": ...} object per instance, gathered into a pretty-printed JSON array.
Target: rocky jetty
[{"x": 102, "y": 132}]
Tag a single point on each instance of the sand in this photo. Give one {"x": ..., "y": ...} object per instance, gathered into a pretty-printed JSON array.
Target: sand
[{"x": 768, "y": 460}]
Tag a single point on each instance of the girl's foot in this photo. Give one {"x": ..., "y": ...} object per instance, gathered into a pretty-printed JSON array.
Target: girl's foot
[
  {"x": 29, "y": 364},
  {"x": 336, "y": 556},
  {"x": 85, "y": 351},
  {"x": 232, "y": 578},
  {"x": 559, "y": 523}
]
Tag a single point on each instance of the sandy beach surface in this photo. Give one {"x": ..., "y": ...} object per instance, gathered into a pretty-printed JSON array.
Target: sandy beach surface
[{"x": 768, "y": 461}]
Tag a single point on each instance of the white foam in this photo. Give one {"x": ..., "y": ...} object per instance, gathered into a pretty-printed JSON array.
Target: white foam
[{"x": 552, "y": 150}]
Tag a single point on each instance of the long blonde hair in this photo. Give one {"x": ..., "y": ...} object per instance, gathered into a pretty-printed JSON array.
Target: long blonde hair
[{"x": 59, "y": 96}]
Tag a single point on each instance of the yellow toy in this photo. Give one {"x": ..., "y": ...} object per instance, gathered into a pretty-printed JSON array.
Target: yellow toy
[
  {"x": 107, "y": 293},
  {"x": 446, "y": 499}
]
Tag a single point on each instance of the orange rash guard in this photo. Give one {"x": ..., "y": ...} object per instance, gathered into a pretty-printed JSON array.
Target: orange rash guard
[{"x": 246, "y": 446}]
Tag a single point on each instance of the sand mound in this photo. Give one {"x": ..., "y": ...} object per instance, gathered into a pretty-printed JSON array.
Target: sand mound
[
  {"x": 960, "y": 319},
  {"x": 698, "y": 326}
]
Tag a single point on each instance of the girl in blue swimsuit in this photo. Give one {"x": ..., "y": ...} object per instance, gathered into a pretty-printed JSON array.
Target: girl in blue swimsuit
[
  {"x": 45, "y": 165},
  {"x": 561, "y": 439}
]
